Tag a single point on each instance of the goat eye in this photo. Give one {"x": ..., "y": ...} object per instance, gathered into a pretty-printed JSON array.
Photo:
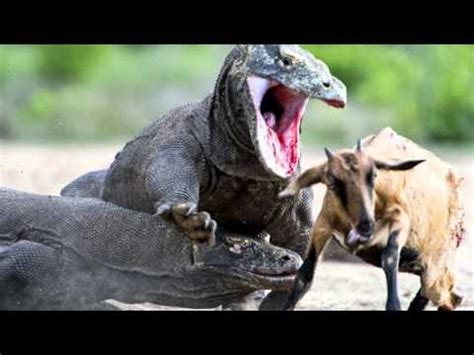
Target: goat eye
[
  {"x": 330, "y": 181},
  {"x": 371, "y": 177},
  {"x": 339, "y": 188},
  {"x": 334, "y": 183}
]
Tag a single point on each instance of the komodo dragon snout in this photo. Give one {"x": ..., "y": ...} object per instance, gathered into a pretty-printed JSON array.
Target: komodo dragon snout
[{"x": 254, "y": 262}]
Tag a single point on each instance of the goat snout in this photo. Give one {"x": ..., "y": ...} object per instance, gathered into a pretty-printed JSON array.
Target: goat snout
[{"x": 365, "y": 228}]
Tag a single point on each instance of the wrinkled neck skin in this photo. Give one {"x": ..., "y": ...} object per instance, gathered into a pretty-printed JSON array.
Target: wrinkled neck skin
[
  {"x": 189, "y": 284},
  {"x": 232, "y": 127},
  {"x": 232, "y": 268},
  {"x": 196, "y": 289},
  {"x": 213, "y": 275}
]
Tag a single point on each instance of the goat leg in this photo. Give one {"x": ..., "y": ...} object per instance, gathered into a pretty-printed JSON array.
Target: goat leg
[
  {"x": 418, "y": 303},
  {"x": 304, "y": 280},
  {"x": 390, "y": 259}
]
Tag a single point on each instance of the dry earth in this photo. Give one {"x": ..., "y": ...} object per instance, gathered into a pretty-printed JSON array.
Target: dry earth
[{"x": 338, "y": 285}]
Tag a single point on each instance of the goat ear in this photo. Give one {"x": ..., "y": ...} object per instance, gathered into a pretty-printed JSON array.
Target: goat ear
[
  {"x": 309, "y": 177},
  {"x": 400, "y": 165}
]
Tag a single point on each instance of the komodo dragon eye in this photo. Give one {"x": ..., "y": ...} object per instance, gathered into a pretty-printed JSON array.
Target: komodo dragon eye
[
  {"x": 232, "y": 240},
  {"x": 236, "y": 244},
  {"x": 286, "y": 62},
  {"x": 245, "y": 243}
]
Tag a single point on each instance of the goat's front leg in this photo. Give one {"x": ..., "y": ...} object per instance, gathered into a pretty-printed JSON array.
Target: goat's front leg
[
  {"x": 398, "y": 234},
  {"x": 390, "y": 262},
  {"x": 304, "y": 279},
  {"x": 321, "y": 234},
  {"x": 291, "y": 228},
  {"x": 390, "y": 259}
]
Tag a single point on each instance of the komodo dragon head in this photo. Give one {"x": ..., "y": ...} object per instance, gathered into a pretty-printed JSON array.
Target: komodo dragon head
[
  {"x": 249, "y": 262},
  {"x": 263, "y": 92}
]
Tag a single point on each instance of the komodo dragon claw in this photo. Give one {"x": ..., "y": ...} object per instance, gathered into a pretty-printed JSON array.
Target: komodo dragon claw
[{"x": 198, "y": 226}]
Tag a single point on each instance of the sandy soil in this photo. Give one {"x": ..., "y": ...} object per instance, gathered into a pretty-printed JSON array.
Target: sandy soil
[{"x": 338, "y": 285}]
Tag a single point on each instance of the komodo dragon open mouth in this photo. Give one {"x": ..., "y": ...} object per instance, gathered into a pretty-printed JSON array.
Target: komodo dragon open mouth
[{"x": 279, "y": 111}]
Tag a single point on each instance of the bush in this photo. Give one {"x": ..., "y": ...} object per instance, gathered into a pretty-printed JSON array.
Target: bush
[
  {"x": 447, "y": 93},
  {"x": 429, "y": 88},
  {"x": 69, "y": 62},
  {"x": 425, "y": 92}
]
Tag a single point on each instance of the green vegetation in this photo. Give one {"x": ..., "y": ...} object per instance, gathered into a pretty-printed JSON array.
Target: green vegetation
[
  {"x": 78, "y": 93},
  {"x": 429, "y": 90}
]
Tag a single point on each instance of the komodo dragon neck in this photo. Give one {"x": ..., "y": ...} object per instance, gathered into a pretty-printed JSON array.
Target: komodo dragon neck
[{"x": 230, "y": 146}]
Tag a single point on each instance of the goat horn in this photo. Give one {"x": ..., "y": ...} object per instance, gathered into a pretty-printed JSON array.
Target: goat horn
[{"x": 329, "y": 154}]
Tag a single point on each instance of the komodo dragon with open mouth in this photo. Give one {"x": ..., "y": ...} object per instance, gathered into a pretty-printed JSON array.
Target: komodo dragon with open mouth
[
  {"x": 68, "y": 253},
  {"x": 223, "y": 160}
]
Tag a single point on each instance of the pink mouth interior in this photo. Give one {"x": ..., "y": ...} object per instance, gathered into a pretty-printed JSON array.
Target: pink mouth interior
[{"x": 279, "y": 112}]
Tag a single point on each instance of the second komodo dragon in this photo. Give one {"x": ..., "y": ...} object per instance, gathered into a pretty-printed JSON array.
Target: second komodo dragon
[{"x": 67, "y": 253}]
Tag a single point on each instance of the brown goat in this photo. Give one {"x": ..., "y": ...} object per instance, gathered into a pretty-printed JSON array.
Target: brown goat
[{"x": 390, "y": 212}]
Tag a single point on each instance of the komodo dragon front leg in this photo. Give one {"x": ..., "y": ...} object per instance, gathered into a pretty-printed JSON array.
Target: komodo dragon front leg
[
  {"x": 198, "y": 226},
  {"x": 177, "y": 199},
  {"x": 172, "y": 182},
  {"x": 176, "y": 194}
]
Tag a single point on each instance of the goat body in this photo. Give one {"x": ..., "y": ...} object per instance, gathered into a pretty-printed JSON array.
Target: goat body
[{"x": 417, "y": 213}]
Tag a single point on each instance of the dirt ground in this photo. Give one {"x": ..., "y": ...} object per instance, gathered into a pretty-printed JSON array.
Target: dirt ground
[{"x": 337, "y": 286}]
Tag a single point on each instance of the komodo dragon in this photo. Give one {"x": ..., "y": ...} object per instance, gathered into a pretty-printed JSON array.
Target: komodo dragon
[
  {"x": 229, "y": 155},
  {"x": 67, "y": 253}
]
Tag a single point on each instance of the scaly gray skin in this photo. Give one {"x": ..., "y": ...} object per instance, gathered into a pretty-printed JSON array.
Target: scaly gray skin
[
  {"x": 67, "y": 253},
  {"x": 217, "y": 155}
]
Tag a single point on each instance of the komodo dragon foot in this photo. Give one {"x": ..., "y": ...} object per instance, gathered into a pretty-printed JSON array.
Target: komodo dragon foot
[{"x": 198, "y": 226}]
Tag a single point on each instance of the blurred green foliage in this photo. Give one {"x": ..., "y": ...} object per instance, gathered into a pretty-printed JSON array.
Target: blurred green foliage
[
  {"x": 69, "y": 62},
  {"x": 98, "y": 92},
  {"x": 111, "y": 92},
  {"x": 429, "y": 89}
]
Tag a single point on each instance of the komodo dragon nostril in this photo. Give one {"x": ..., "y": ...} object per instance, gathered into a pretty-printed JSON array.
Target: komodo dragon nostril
[{"x": 327, "y": 84}]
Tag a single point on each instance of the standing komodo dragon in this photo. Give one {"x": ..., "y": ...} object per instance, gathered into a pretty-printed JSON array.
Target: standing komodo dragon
[
  {"x": 66, "y": 253},
  {"x": 226, "y": 158}
]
